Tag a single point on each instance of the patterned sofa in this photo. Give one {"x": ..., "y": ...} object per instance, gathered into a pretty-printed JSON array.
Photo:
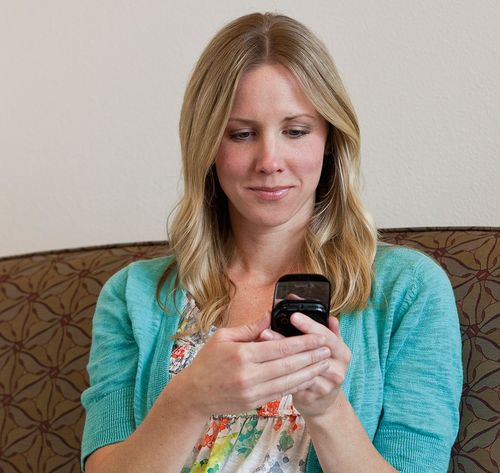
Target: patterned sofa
[{"x": 46, "y": 306}]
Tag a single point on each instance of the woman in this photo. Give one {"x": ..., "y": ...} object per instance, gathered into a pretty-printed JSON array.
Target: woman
[{"x": 186, "y": 374}]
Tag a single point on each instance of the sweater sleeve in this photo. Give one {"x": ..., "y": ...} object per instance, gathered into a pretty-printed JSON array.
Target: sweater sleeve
[
  {"x": 112, "y": 368},
  {"x": 423, "y": 376}
]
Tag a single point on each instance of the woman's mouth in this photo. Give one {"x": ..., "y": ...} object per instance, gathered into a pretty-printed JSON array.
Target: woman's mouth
[{"x": 271, "y": 193}]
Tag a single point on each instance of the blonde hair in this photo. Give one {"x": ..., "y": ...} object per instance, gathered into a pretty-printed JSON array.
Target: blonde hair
[{"x": 340, "y": 241}]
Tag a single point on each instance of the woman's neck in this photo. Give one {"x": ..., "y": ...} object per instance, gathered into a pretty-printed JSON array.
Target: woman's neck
[{"x": 263, "y": 255}]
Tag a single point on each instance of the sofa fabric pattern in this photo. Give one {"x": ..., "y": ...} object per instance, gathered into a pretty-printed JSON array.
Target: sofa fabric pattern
[{"x": 46, "y": 306}]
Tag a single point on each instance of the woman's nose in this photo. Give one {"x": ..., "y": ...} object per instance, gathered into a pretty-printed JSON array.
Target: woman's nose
[{"x": 268, "y": 159}]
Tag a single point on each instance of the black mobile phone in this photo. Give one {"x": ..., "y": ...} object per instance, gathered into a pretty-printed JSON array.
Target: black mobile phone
[{"x": 305, "y": 293}]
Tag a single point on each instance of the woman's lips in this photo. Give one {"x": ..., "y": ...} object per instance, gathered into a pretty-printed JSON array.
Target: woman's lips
[{"x": 271, "y": 193}]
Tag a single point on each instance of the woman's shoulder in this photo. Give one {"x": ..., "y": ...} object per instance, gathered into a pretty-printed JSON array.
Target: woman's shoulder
[
  {"x": 143, "y": 269},
  {"x": 146, "y": 269},
  {"x": 394, "y": 254},
  {"x": 411, "y": 293},
  {"x": 395, "y": 262},
  {"x": 140, "y": 276},
  {"x": 402, "y": 271}
]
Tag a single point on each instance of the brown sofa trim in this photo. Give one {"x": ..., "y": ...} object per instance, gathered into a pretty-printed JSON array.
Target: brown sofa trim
[{"x": 162, "y": 242}]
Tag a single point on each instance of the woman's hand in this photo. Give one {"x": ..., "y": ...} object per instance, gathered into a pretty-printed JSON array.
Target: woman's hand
[
  {"x": 319, "y": 395},
  {"x": 236, "y": 371}
]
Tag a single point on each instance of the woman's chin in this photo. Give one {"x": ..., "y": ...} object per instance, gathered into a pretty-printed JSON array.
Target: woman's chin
[{"x": 270, "y": 222}]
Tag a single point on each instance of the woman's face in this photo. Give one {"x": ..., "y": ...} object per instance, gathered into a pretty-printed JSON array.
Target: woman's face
[{"x": 270, "y": 158}]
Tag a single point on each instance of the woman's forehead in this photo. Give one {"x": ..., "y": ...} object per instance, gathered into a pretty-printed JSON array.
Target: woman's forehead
[{"x": 270, "y": 87}]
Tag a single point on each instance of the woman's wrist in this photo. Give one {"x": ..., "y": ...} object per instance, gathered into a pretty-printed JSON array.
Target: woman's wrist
[
  {"x": 331, "y": 416},
  {"x": 340, "y": 441},
  {"x": 178, "y": 395}
]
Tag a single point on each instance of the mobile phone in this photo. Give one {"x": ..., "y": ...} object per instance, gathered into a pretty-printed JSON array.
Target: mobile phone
[{"x": 305, "y": 293}]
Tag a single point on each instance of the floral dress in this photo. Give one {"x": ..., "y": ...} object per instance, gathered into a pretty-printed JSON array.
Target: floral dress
[{"x": 270, "y": 439}]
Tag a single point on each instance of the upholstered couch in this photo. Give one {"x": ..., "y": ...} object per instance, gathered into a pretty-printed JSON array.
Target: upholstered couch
[{"x": 46, "y": 306}]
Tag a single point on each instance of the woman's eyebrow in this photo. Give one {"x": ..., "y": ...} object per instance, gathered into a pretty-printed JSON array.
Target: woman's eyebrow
[
  {"x": 300, "y": 115},
  {"x": 286, "y": 119},
  {"x": 242, "y": 120}
]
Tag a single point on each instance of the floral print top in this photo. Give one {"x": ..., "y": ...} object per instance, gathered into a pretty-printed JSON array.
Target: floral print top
[{"x": 270, "y": 439}]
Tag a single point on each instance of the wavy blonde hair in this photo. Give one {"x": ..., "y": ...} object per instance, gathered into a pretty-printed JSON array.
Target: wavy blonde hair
[{"x": 340, "y": 241}]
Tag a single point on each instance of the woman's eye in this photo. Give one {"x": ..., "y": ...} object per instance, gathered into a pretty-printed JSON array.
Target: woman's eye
[
  {"x": 248, "y": 135},
  {"x": 240, "y": 135},
  {"x": 296, "y": 133}
]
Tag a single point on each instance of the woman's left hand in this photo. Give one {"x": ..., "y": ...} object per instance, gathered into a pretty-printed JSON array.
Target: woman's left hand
[{"x": 317, "y": 399}]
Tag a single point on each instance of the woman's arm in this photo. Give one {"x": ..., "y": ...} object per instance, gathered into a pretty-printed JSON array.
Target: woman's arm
[
  {"x": 341, "y": 443},
  {"x": 230, "y": 374},
  {"x": 339, "y": 439},
  {"x": 160, "y": 444},
  {"x": 422, "y": 386}
]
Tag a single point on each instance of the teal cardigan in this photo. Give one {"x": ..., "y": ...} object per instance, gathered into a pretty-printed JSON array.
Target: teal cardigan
[{"x": 404, "y": 380}]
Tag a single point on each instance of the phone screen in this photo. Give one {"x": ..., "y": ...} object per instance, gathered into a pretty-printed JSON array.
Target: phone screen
[{"x": 305, "y": 293}]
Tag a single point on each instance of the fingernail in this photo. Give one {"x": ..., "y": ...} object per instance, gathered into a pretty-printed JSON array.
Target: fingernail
[
  {"x": 298, "y": 317},
  {"x": 324, "y": 351},
  {"x": 267, "y": 334}
]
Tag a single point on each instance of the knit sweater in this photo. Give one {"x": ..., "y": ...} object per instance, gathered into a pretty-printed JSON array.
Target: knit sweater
[{"x": 404, "y": 380}]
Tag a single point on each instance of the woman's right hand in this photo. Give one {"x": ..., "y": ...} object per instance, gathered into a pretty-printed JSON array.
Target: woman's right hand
[{"x": 235, "y": 372}]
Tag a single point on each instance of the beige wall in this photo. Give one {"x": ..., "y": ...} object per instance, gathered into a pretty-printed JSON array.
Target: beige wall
[{"x": 90, "y": 93}]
